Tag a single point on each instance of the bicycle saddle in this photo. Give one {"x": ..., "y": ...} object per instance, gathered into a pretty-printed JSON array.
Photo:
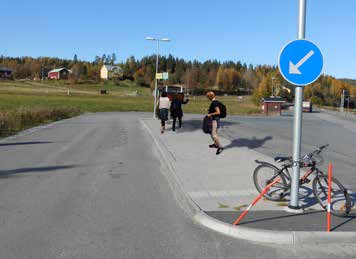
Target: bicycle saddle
[{"x": 281, "y": 159}]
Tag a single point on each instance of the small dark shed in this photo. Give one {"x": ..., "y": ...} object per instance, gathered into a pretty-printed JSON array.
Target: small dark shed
[
  {"x": 5, "y": 72},
  {"x": 272, "y": 105}
]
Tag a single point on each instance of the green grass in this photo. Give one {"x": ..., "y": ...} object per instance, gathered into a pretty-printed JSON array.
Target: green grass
[
  {"x": 238, "y": 208},
  {"x": 83, "y": 103},
  {"x": 86, "y": 97},
  {"x": 282, "y": 204},
  {"x": 19, "y": 99},
  {"x": 16, "y": 120},
  {"x": 124, "y": 88},
  {"x": 234, "y": 105},
  {"x": 222, "y": 206}
]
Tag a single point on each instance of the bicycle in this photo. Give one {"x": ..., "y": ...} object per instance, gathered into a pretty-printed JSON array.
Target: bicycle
[{"x": 265, "y": 173}]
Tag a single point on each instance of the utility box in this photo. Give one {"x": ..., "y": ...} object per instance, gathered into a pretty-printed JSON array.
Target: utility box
[
  {"x": 272, "y": 106},
  {"x": 307, "y": 107}
]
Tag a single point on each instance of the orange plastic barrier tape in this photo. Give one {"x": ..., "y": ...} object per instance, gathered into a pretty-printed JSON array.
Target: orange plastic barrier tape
[{"x": 243, "y": 214}]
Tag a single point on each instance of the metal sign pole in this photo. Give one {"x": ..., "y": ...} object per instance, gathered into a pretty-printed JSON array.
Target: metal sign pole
[
  {"x": 297, "y": 132},
  {"x": 155, "y": 99}
]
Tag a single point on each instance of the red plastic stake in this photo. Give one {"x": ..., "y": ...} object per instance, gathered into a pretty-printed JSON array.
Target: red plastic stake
[
  {"x": 243, "y": 214},
  {"x": 330, "y": 172}
]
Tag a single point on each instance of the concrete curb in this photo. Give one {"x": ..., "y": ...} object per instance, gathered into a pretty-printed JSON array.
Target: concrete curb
[
  {"x": 183, "y": 199},
  {"x": 274, "y": 237},
  {"x": 241, "y": 232}
]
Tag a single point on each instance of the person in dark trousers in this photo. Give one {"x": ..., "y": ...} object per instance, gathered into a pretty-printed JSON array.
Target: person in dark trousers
[
  {"x": 177, "y": 111},
  {"x": 164, "y": 105},
  {"x": 214, "y": 114}
]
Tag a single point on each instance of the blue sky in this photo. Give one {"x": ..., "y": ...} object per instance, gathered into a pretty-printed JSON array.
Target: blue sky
[{"x": 252, "y": 31}]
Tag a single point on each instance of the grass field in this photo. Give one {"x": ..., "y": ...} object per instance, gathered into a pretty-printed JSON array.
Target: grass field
[
  {"x": 86, "y": 97},
  {"x": 24, "y": 104}
]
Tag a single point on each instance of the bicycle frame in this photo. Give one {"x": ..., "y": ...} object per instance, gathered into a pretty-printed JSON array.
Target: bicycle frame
[
  {"x": 312, "y": 169},
  {"x": 284, "y": 170}
]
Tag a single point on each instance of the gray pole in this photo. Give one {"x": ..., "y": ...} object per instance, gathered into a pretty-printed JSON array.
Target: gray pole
[
  {"x": 297, "y": 132},
  {"x": 155, "y": 91},
  {"x": 342, "y": 103},
  {"x": 155, "y": 95}
]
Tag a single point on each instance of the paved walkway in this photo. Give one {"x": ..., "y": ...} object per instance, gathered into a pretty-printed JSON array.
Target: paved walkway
[{"x": 223, "y": 187}]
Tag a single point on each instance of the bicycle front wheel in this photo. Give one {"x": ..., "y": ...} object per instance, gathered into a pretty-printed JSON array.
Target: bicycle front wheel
[
  {"x": 265, "y": 174},
  {"x": 340, "y": 203}
]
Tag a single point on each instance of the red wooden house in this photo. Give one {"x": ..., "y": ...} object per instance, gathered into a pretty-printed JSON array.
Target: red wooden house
[{"x": 59, "y": 73}]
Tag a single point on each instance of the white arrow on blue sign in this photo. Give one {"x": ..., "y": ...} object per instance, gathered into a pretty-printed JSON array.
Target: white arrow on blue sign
[{"x": 300, "y": 62}]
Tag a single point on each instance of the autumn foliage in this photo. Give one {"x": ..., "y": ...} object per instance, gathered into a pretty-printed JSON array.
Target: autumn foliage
[{"x": 228, "y": 77}]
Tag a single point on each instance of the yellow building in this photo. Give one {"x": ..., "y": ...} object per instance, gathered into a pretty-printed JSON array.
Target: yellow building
[{"x": 108, "y": 72}]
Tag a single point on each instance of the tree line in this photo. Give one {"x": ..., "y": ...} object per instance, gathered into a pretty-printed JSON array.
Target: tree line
[{"x": 227, "y": 77}]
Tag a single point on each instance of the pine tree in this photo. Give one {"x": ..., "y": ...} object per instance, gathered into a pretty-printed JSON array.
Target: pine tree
[
  {"x": 113, "y": 59},
  {"x": 75, "y": 58}
]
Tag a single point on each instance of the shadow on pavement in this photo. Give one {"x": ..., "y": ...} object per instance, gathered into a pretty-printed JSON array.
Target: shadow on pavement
[
  {"x": 9, "y": 173},
  {"x": 281, "y": 217},
  {"x": 196, "y": 124},
  {"x": 344, "y": 220},
  {"x": 312, "y": 220},
  {"x": 349, "y": 218},
  {"x": 306, "y": 197},
  {"x": 250, "y": 143},
  {"x": 24, "y": 143},
  {"x": 353, "y": 200}
]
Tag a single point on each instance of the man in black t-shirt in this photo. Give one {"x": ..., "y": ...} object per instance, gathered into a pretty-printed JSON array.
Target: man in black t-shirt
[{"x": 214, "y": 114}]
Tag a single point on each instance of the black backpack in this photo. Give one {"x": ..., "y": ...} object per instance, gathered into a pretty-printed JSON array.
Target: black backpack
[
  {"x": 207, "y": 125},
  {"x": 222, "y": 108}
]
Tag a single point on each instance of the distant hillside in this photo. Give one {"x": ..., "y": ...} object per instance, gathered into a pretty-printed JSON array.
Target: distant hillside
[{"x": 349, "y": 81}]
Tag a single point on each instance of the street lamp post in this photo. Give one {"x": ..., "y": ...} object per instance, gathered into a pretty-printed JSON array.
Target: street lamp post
[{"x": 155, "y": 93}]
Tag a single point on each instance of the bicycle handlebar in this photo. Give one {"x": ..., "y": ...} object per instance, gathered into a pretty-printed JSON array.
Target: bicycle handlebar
[
  {"x": 323, "y": 147},
  {"x": 320, "y": 149},
  {"x": 315, "y": 152}
]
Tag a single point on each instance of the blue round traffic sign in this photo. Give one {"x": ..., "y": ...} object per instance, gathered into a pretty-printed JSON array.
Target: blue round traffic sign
[{"x": 300, "y": 62}]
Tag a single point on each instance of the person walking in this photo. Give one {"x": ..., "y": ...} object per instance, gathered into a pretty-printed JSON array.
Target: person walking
[
  {"x": 177, "y": 111},
  {"x": 214, "y": 115},
  {"x": 164, "y": 105}
]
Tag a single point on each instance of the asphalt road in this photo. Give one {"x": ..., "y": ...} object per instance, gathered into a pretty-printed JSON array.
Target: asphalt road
[
  {"x": 273, "y": 136},
  {"x": 94, "y": 187}
]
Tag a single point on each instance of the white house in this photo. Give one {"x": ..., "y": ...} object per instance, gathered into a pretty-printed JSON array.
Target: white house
[{"x": 108, "y": 72}]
